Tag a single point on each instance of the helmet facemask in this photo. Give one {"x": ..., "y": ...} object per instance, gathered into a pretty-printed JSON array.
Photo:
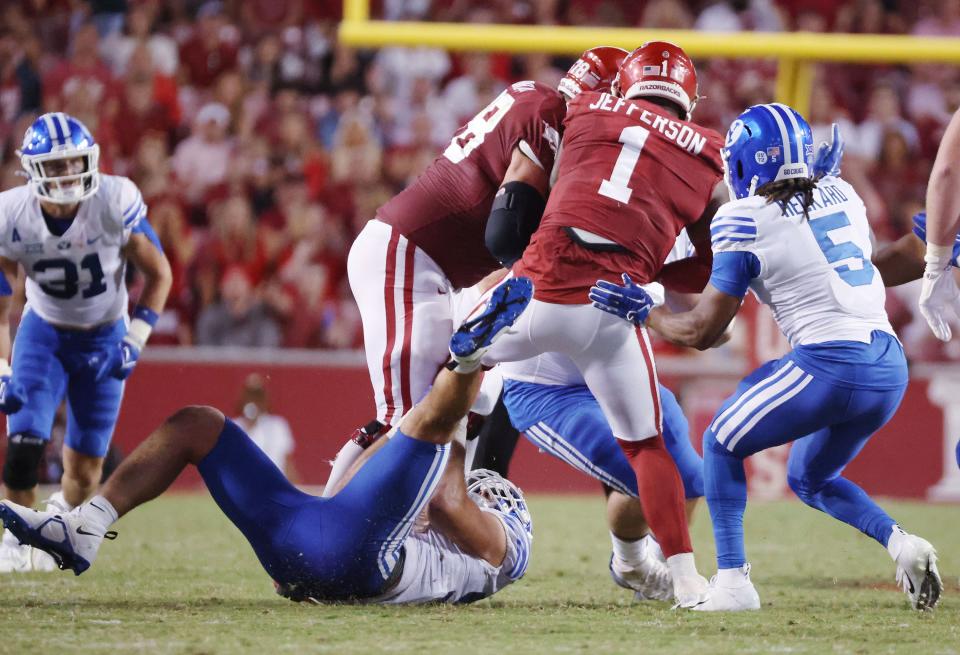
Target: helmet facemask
[{"x": 64, "y": 177}]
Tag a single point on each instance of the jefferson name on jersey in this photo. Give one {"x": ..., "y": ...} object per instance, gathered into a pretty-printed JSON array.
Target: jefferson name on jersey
[
  {"x": 77, "y": 279},
  {"x": 681, "y": 133}
]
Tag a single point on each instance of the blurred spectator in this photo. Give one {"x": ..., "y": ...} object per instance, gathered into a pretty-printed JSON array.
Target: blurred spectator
[
  {"x": 20, "y": 89},
  {"x": 740, "y": 15},
  {"x": 81, "y": 72},
  {"x": 238, "y": 318},
  {"x": 883, "y": 113},
  {"x": 118, "y": 47},
  {"x": 473, "y": 90},
  {"x": 212, "y": 49},
  {"x": 269, "y": 431},
  {"x": 200, "y": 161}
]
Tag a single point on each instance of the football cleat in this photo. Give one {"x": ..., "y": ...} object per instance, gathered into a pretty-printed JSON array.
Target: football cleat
[
  {"x": 39, "y": 560},
  {"x": 649, "y": 581},
  {"x": 917, "y": 570},
  {"x": 65, "y": 536},
  {"x": 690, "y": 591},
  {"x": 475, "y": 336},
  {"x": 731, "y": 596}
]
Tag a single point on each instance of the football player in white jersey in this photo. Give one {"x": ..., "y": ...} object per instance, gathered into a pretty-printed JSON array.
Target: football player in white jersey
[
  {"x": 802, "y": 244},
  {"x": 73, "y": 230},
  {"x": 360, "y": 543}
]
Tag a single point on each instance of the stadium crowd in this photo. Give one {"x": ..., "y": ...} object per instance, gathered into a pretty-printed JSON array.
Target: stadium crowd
[{"x": 262, "y": 145}]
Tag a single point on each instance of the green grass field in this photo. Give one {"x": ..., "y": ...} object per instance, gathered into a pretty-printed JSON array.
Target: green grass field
[{"x": 180, "y": 579}]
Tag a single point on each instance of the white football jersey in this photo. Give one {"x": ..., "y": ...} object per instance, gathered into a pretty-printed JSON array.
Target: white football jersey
[
  {"x": 436, "y": 570},
  {"x": 815, "y": 274},
  {"x": 75, "y": 280}
]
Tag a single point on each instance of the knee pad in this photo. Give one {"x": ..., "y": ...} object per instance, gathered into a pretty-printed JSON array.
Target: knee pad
[{"x": 21, "y": 470}]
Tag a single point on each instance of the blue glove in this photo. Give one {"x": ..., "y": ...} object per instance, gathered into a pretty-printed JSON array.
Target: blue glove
[
  {"x": 117, "y": 362},
  {"x": 827, "y": 160},
  {"x": 920, "y": 229},
  {"x": 630, "y": 302},
  {"x": 11, "y": 396}
]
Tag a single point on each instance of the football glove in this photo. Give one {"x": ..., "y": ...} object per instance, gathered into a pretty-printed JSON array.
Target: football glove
[
  {"x": 119, "y": 361},
  {"x": 920, "y": 229},
  {"x": 630, "y": 301},
  {"x": 939, "y": 291},
  {"x": 11, "y": 395},
  {"x": 827, "y": 159}
]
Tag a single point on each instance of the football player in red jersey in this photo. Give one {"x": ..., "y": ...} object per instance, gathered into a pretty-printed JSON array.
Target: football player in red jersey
[
  {"x": 471, "y": 212},
  {"x": 634, "y": 171}
]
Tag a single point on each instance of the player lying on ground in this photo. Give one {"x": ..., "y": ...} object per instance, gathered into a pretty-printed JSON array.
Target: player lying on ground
[
  {"x": 803, "y": 246},
  {"x": 356, "y": 545},
  {"x": 73, "y": 230},
  {"x": 485, "y": 194}
]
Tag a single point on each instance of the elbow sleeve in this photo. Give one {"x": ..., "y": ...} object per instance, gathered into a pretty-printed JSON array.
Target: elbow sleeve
[{"x": 513, "y": 219}]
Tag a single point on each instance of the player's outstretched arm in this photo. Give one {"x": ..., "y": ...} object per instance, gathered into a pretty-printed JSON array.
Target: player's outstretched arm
[
  {"x": 702, "y": 326},
  {"x": 901, "y": 261}
]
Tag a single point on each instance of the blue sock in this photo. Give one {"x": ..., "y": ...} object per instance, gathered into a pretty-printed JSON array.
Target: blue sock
[
  {"x": 845, "y": 501},
  {"x": 725, "y": 487}
]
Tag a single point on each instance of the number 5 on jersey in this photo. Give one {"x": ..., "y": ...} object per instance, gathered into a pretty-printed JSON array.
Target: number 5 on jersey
[{"x": 617, "y": 187}]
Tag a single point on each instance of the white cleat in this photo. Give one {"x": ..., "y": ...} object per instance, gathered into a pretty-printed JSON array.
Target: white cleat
[
  {"x": 14, "y": 558},
  {"x": 67, "y": 537},
  {"x": 651, "y": 580},
  {"x": 917, "y": 572},
  {"x": 690, "y": 591},
  {"x": 39, "y": 560},
  {"x": 735, "y": 593}
]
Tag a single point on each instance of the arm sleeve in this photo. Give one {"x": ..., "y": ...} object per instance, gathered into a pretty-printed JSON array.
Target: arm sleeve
[
  {"x": 733, "y": 240},
  {"x": 733, "y": 271}
]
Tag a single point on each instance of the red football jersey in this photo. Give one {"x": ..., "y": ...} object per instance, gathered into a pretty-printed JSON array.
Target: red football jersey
[
  {"x": 444, "y": 212},
  {"x": 631, "y": 173}
]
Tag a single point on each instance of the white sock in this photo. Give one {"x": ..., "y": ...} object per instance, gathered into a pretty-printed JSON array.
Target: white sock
[
  {"x": 895, "y": 542},
  {"x": 631, "y": 553},
  {"x": 682, "y": 565},
  {"x": 731, "y": 577},
  {"x": 99, "y": 512},
  {"x": 350, "y": 452},
  {"x": 58, "y": 502}
]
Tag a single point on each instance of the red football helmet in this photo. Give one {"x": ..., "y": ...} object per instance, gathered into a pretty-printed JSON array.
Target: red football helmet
[
  {"x": 596, "y": 68},
  {"x": 661, "y": 69}
]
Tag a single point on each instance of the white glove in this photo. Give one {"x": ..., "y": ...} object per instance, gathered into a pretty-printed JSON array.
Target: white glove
[{"x": 939, "y": 290}]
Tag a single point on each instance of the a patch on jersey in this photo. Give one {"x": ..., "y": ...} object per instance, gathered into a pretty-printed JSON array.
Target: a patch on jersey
[
  {"x": 733, "y": 230},
  {"x": 33, "y": 248},
  {"x": 760, "y": 156},
  {"x": 63, "y": 245},
  {"x": 15, "y": 237}
]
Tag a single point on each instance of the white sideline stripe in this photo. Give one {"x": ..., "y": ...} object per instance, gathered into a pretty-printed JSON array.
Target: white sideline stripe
[
  {"x": 783, "y": 134},
  {"x": 759, "y": 400},
  {"x": 743, "y": 431},
  {"x": 748, "y": 394},
  {"x": 400, "y": 532}
]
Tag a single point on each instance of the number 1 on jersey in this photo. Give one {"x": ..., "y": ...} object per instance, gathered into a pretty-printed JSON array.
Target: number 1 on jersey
[{"x": 617, "y": 186}]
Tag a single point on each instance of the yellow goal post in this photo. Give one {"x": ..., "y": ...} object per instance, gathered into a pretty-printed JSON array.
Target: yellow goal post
[{"x": 795, "y": 52}]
